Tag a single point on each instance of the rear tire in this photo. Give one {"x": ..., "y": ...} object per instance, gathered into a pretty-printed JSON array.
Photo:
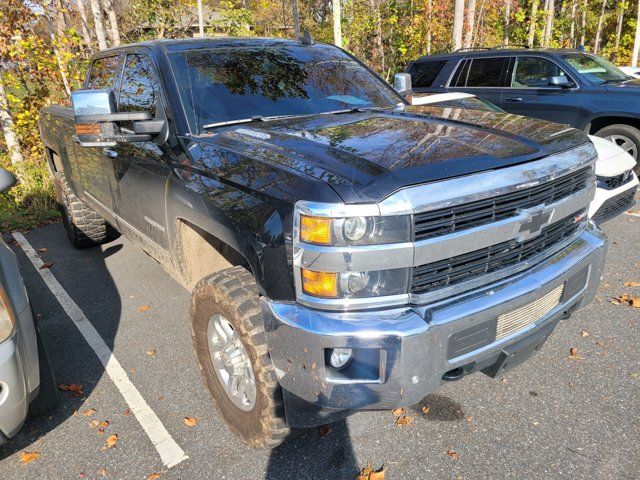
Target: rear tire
[
  {"x": 85, "y": 228},
  {"x": 626, "y": 137},
  {"x": 232, "y": 294}
]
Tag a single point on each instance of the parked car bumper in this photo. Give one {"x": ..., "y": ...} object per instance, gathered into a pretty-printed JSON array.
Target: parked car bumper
[
  {"x": 608, "y": 204},
  {"x": 14, "y": 394},
  {"x": 401, "y": 355}
]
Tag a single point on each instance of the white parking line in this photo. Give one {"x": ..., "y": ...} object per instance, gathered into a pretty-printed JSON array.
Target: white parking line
[{"x": 169, "y": 451}]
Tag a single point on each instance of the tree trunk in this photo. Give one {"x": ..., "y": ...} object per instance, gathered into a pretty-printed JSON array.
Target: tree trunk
[
  {"x": 471, "y": 19},
  {"x": 59, "y": 16},
  {"x": 596, "y": 42},
  {"x": 619, "y": 28},
  {"x": 636, "y": 43},
  {"x": 200, "y": 19},
  {"x": 337, "y": 24},
  {"x": 532, "y": 23},
  {"x": 8, "y": 128},
  {"x": 109, "y": 7},
  {"x": 458, "y": 23},
  {"x": 98, "y": 24},
  {"x": 429, "y": 15},
  {"x": 548, "y": 28},
  {"x": 507, "y": 20},
  {"x": 378, "y": 41},
  {"x": 84, "y": 24},
  {"x": 583, "y": 28},
  {"x": 572, "y": 31},
  {"x": 296, "y": 19}
]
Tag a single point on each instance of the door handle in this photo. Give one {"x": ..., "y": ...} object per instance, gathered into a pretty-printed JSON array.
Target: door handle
[
  {"x": 514, "y": 99},
  {"x": 109, "y": 153}
]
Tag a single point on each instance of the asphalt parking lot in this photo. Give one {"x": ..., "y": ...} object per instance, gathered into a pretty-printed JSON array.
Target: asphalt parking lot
[{"x": 554, "y": 417}]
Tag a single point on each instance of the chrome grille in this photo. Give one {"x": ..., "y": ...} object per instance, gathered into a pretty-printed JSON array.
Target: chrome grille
[
  {"x": 519, "y": 318},
  {"x": 461, "y": 217},
  {"x": 442, "y": 273}
]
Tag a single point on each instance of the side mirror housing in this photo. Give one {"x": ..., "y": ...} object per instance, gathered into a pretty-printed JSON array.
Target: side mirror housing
[
  {"x": 402, "y": 84},
  {"x": 7, "y": 180},
  {"x": 96, "y": 119},
  {"x": 560, "y": 81}
]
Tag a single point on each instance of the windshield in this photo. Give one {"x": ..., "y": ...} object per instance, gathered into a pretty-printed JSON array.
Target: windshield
[
  {"x": 596, "y": 69},
  {"x": 226, "y": 84}
]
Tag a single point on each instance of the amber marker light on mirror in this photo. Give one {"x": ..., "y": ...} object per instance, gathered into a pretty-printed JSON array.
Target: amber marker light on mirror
[
  {"x": 315, "y": 229},
  {"x": 88, "y": 129},
  {"x": 320, "y": 284}
]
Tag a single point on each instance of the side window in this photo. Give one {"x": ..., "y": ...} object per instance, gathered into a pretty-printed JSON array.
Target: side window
[
  {"x": 423, "y": 74},
  {"x": 139, "y": 90},
  {"x": 534, "y": 72},
  {"x": 105, "y": 73},
  {"x": 486, "y": 72},
  {"x": 460, "y": 77}
]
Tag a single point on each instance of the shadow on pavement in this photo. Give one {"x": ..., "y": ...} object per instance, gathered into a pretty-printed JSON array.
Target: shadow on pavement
[
  {"x": 305, "y": 454},
  {"x": 72, "y": 359}
]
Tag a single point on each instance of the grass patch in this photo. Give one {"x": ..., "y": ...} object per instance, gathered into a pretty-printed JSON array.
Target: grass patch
[{"x": 31, "y": 202}]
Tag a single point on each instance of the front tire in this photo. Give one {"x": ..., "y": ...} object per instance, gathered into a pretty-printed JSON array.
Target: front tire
[
  {"x": 626, "y": 137},
  {"x": 230, "y": 343}
]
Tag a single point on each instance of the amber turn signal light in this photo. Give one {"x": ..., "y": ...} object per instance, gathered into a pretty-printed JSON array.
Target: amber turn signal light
[
  {"x": 320, "y": 284},
  {"x": 88, "y": 129},
  {"x": 315, "y": 230}
]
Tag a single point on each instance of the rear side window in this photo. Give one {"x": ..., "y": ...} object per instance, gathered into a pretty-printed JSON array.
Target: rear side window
[
  {"x": 423, "y": 74},
  {"x": 105, "y": 73},
  {"x": 139, "y": 90},
  {"x": 481, "y": 72}
]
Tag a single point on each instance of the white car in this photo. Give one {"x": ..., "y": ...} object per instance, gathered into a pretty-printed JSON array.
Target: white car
[
  {"x": 617, "y": 183},
  {"x": 631, "y": 71}
]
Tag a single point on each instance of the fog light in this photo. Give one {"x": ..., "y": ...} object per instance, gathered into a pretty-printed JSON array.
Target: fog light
[{"x": 340, "y": 357}]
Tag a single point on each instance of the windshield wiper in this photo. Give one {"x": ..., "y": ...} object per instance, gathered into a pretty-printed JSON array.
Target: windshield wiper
[
  {"x": 614, "y": 80},
  {"x": 357, "y": 110},
  {"x": 256, "y": 118}
]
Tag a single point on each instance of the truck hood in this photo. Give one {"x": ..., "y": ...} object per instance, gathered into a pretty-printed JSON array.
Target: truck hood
[
  {"x": 628, "y": 86},
  {"x": 367, "y": 156}
]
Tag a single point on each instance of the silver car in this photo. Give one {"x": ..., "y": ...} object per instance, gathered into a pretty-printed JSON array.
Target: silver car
[{"x": 26, "y": 380}]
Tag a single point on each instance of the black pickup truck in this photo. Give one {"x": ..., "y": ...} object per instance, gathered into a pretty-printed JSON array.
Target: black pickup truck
[{"x": 346, "y": 251}]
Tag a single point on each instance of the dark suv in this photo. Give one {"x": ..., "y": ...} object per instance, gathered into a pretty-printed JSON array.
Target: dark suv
[{"x": 563, "y": 86}]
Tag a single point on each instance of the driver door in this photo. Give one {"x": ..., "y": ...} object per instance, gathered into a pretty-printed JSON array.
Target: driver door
[{"x": 528, "y": 92}]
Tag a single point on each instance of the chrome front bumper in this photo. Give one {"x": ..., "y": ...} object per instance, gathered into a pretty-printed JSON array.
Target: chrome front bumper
[{"x": 406, "y": 351}]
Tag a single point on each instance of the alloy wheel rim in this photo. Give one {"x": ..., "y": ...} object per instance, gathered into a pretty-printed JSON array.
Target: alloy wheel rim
[
  {"x": 231, "y": 363},
  {"x": 625, "y": 143}
]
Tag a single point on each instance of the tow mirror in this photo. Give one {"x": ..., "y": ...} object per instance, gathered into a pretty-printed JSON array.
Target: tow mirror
[
  {"x": 402, "y": 85},
  {"x": 7, "y": 180},
  {"x": 560, "y": 81},
  {"x": 96, "y": 120}
]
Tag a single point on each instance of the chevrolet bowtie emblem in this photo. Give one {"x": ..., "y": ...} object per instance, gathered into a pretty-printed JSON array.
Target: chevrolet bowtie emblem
[{"x": 536, "y": 219}]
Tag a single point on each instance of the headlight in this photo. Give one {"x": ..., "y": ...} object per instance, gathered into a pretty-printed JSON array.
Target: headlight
[
  {"x": 376, "y": 283},
  {"x": 354, "y": 230},
  {"x": 6, "y": 317}
]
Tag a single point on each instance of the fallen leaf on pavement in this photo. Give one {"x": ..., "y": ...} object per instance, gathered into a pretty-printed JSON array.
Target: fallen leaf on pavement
[
  {"x": 43, "y": 250},
  {"x": 88, "y": 413},
  {"x": 584, "y": 334},
  {"x": 94, "y": 424},
  {"x": 634, "y": 374},
  {"x": 190, "y": 421},
  {"x": 573, "y": 354},
  {"x": 102, "y": 471},
  {"x": 453, "y": 454},
  {"x": 153, "y": 476},
  {"x": 45, "y": 265},
  {"x": 404, "y": 420},
  {"x": 425, "y": 410},
  {"x": 151, "y": 353},
  {"x": 111, "y": 441},
  {"x": 144, "y": 308},
  {"x": 631, "y": 284},
  {"x": 627, "y": 299},
  {"x": 398, "y": 412},
  {"x": 28, "y": 457},
  {"x": 367, "y": 473},
  {"x": 127, "y": 412},
  {"x": 76, "y": 390},
  {"x": 325, "y": 430}
]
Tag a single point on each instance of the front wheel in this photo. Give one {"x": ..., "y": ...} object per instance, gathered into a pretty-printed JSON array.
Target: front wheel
[
  {"x": 230, "y": 344},
  {"x": 626, "y": 137}
]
